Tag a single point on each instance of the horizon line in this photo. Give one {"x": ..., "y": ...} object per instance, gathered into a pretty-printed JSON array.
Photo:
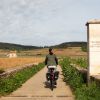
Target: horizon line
[{"x": 41, "y": 45}]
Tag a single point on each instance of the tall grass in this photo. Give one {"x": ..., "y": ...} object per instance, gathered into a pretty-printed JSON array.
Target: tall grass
[
  {"x": 81, "y": 62},
  {"x": 76, "y": 81},
  {"x": 6, "y": 63}
]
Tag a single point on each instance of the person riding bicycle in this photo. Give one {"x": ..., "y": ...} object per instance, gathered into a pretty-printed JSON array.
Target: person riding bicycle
[{"x": 51, "y": 60}]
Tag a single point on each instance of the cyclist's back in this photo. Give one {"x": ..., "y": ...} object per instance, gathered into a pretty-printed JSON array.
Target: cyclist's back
[{"x": 51, "y": 59}]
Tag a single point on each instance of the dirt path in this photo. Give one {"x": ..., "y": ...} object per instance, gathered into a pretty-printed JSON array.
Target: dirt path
[{"x": 37, "y": 89}]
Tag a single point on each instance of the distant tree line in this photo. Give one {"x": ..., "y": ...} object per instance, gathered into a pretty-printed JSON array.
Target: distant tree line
[
  {"x": 9, "y": 46},
  {"x": 83, "y": 45}
]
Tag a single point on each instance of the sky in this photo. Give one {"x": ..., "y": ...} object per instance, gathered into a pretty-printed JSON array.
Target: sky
[{"x": 46, "y": 22}]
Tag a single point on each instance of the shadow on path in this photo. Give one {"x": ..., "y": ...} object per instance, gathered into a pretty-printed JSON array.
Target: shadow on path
[{"x": 47, "y": 85}]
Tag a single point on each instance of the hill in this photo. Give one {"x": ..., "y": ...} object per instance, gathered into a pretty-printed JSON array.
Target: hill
[
  {"x": 70, "y": 44},
  {"x": 10, "y": 46},
  {"x": 83, "y": 45}
]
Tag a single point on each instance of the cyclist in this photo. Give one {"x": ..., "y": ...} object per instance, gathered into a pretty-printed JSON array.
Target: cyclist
[{"x": 51, "y": 60}]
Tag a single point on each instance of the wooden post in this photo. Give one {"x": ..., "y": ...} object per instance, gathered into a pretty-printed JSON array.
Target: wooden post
[{"x": 88, "y": 69}]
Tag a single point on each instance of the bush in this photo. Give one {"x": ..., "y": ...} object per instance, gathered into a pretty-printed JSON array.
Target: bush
[
  {"x": 71, "y": 75},
  {"x": 88, "y": 93},
  {"x": 75, "y": 79},
  {"x": 84, "y": 48},
  {"x": 81, "y": 62},
  {"x": 1, "y": 71},
  {"x": 11, "y": 83}
]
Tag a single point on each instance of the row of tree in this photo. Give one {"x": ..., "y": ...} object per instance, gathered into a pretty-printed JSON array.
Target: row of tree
[{"x": 9, "y": 46}]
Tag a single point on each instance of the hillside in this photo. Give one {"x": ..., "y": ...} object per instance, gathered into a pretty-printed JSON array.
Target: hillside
[
  {"x": 70, "y": 44},
  {"x": 10, "y": 46}
]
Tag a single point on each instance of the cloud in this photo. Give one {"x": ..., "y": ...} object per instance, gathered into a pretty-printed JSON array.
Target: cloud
[{"x": 45, "y": 22}]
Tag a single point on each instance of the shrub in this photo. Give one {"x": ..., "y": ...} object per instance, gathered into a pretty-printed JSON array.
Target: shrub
[
  {"x": 92, "y": 92},
  {"x": 81, "y": 62},
  {"x": 75, "y": 79},
  {"x": 1, "y": 70},
  {"x": 71, "y": 75},
  {"x": 84, "y": 48}
]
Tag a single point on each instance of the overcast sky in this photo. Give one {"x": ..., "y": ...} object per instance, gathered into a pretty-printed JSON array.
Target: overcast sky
[{"x": 46, "y": 22}]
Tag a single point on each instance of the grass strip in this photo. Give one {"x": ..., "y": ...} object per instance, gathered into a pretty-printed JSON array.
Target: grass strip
[
  {"x": 76, "y": 81},
  {"x": 14, "y": 81}
]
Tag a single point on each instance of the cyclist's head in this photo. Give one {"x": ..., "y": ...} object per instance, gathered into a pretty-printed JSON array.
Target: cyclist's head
[{"x": 50, "y": 50}]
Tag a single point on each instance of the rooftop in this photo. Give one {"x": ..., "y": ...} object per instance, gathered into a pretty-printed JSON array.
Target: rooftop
[{"x": 94, "y": 21}]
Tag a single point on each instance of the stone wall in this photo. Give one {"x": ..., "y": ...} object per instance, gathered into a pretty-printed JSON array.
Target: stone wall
[
  {"x": 83, "y": 71},
  {"x": 12, "y": 71}
]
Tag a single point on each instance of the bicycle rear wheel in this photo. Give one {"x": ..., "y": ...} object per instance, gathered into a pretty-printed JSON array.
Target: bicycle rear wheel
[{"x": 51, "y": 84}]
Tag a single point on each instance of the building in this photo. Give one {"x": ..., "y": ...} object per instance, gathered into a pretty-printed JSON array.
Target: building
[{"x": 12, "y": 54}]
